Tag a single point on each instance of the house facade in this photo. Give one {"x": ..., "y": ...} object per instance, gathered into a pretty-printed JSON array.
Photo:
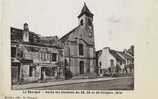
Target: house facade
[
  {"x": 112, "y": 62},
  {"x": 79, "y": 46},
  {"x": 34, "y": 57}
]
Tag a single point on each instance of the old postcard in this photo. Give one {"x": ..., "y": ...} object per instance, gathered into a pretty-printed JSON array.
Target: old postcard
[{"x": 52, "y": 48}]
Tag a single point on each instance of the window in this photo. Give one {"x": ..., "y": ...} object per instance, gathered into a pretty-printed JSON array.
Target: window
[
  {"x": 48, "y": 56},
  {"x": 44, "y": 56},
  {"x": 81, "y": 22},
  {"x": 121, "y": 63},
  {"x": 54, "y": 56},
  {"x": 40, "y": 54},
  {"x": 112, "y": 62},
  {"x": 80, "y": 49},
  {"x": 31, "y": 71},
  {"x": 13, "y": 51},
  {"x": 91, "y": 52},
  {"x": 89, "y": 22},
  {"x": 100, "y": 71},
  {"x": 100, "y": 64}
]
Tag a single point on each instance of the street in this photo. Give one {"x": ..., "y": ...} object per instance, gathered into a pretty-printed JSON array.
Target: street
[{"x": 114, "y": 84}]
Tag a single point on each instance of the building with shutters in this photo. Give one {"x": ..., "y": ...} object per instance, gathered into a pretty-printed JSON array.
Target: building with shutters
[{"x": 35, "y": 57}]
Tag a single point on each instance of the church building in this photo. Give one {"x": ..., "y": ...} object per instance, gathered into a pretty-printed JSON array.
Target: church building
[{"x": 79, "y": 46}]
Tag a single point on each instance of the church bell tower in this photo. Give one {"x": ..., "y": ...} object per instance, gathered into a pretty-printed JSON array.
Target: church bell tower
[{"x": 85, "y": 17}]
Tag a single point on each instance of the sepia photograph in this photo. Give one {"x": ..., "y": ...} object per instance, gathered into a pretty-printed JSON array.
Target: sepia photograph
[
  {"x": 97, "y": 49},
  {"x": 90, "y": 47}
]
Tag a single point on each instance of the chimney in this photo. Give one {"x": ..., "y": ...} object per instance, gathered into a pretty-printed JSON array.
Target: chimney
[
  {"x": 106, "y": 49},
  {"x": 125, "y": 51},
  {"x": 25, "y": 33},
  {"x": 26, "y": 28}
]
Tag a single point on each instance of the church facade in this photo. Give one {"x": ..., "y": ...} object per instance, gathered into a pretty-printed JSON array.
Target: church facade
[{"x": 79, "y": 46}]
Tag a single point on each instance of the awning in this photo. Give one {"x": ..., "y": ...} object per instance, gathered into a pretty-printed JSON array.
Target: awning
[
  {"x": 48, "y": 65},
  {"x": 14, "y": 60},
  {"x": 26, "y": 61}
]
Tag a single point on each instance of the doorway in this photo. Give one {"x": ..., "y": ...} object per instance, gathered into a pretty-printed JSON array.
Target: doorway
[{"x": 81, "y": 67}]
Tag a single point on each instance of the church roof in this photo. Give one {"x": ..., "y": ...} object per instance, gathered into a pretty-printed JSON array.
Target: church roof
[
  {"x": 65, "y": 37},
  {"x": 86, "y": 11}
]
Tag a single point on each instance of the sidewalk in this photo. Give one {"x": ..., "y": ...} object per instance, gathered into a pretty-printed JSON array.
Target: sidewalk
[{"x": 46, "y": 84}]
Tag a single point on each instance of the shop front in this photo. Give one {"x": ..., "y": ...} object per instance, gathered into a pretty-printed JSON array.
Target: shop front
[
  {"x": 50, "y": 72},
  {"x": 15, "y": 71}
]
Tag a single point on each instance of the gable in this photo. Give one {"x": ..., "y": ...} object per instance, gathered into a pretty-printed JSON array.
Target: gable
[
  {"x": 78, "y": 33},
  {"x": 66, "y": 36}
]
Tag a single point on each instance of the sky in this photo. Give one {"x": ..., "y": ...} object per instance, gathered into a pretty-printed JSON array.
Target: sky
[{"x": 115, "y": 21}]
